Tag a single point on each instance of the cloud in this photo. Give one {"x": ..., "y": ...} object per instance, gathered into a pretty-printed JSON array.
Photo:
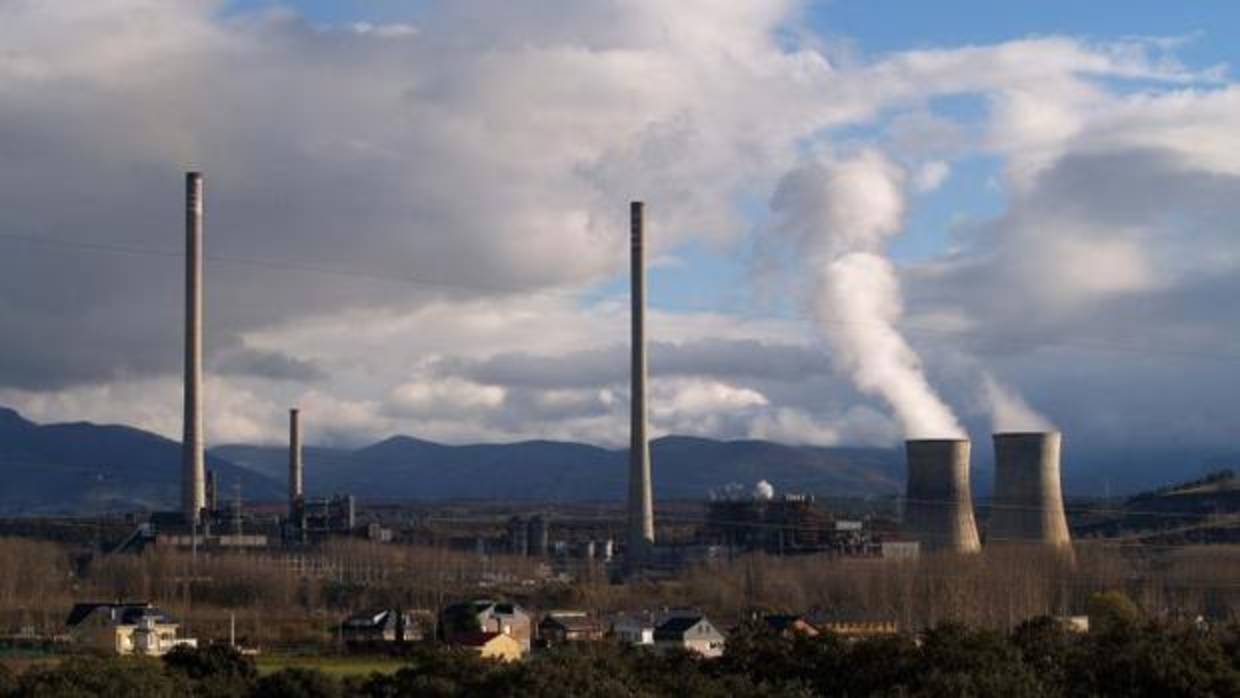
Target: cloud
[
  {"x": 444, "y": 397},
  {"x": 931, "y": 175},
  {"x": 408, "y": 222},
  {"x": 271, "y": 365}
]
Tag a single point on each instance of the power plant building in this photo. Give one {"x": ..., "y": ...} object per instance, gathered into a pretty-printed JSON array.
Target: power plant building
[
  {"x": 938, "y": 508},
  {"x": 1027, "y": 506}
]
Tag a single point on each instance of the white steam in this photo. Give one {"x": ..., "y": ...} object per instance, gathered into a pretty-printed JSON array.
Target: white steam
[
  {"x": 841, "y": 215},
  {"x": 763, "y": 491},
  {"x": 1008, "y": 410}
]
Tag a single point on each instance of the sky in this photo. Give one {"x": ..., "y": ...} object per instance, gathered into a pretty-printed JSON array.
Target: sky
[{"x": 866, "y": 220}]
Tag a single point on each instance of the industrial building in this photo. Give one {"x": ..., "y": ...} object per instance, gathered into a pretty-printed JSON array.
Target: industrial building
[
  {"x": 1027, "y": 506},
  {"x": 938, "y": 506}
]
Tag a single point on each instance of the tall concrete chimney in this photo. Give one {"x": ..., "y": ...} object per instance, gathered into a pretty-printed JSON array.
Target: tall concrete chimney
[
  {"x": 641, "y": 498},
  {"x": 193, "y": 484},
  {"x": 1028, "y": 503},
  {"x": 938, "y": 509},
  {"x": 295, "y": 492}
]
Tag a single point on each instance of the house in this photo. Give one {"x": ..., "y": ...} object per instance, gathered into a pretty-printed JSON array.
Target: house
[
  {"x": 491, "y": 645},
  {"x": 691, "y": 634},
  {"x": 380, "y": 625},
  {"x": 633, "y": 629},
  {"x": 861, "y": 629},
  {"x": 125, "y": 628},
  {"x": 852, "y": 624},
  {"x": 790, "y": 625},
  {"x": 488, "y": 616},
  {"x": 559, "y": 627}
]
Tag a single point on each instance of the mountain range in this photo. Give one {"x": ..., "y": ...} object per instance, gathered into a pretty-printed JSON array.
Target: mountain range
[{"x": 80, "y": 467}]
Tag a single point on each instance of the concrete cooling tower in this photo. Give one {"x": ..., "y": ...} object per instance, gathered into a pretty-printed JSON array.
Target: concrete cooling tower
[
  {"x": 1028, "y": 502},
  {"x": 938, "y": 509}
]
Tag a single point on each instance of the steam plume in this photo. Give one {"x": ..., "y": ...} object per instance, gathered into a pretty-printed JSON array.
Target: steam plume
[
  {"x": 840, "y": 216},
  {"x": 1008, "y": 410}
]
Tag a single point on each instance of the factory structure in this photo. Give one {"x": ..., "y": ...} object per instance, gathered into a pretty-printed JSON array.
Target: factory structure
[
  {"x": 1027, "y": 506},
  {"x": 640, "y": 532},
  {"x": 938, "y": 505},
  {"x": 1026, "y": 509},
  {"x": 204, "y": 520}
]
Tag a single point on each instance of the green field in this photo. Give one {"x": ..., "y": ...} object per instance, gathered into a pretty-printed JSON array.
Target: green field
[{"x": 335, "y": 666}]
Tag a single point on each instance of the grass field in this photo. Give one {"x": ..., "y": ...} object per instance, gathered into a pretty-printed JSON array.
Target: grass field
[{"x": 336, "y": 666}]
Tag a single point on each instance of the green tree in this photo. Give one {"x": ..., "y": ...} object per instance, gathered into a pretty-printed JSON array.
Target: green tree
[
  {"x": 1153, "y": 660},
  {"x": 89, "y": 677},
  {"x": 1111, "y": 611},
  {"x": 1049, "y": 649},
  {"x": 296, "y": 682},
  {"x": 217, "y": 671},
  {"x": 8, "y": 682},
  {"x": 957, "y": 661}
]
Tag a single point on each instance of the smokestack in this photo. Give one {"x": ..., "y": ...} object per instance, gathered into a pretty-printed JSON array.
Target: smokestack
[
  {"x": 294, "y": 462},
  {"x": 193, "y": 485},
  {"x": 1028, "y": 503},
  {"x": 212, "y": 494},
  {"x": 938, "y": 509},
  {"x": 641, "y": 499}
]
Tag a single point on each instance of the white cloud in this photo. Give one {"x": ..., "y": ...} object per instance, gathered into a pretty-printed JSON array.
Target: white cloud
[
  {"x": 486, "y": 154},
  {"x": 931, "y": 175}
]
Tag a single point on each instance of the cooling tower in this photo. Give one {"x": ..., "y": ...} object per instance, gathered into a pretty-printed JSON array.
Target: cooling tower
[
  {"x": 295, "y": 470},
  {"x": 641, "y": 499},
  {"x": 193, "y": 485},
  {"x": 1028, "y": 503},
  {"x": 938, "y": 510}
]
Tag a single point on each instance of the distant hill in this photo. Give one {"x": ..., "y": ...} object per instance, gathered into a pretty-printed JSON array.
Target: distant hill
[
  {"x": 82, "y": 468},
  {"x": 403, "y": 467},
  {"x": 1203, "y": 510}
]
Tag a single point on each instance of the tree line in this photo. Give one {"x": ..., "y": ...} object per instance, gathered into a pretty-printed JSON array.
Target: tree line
[{"x": 1124, "y": 654}]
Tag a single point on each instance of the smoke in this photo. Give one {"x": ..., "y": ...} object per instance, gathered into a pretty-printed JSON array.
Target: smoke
[
  {"x": 1008, "y": 410},
  {"x": 840, "y": 216}
]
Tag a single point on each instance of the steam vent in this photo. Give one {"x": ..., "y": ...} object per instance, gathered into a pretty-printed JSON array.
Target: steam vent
[
  {"x": 938, "y": 510},
  {"x": 1028, "y": 503}
]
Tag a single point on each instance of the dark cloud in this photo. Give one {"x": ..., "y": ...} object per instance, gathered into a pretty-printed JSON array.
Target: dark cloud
[{"x": 270, "y": 365}]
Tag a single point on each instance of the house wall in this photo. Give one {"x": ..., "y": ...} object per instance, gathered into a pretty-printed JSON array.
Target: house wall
[{"x": 503, "y": 648}]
